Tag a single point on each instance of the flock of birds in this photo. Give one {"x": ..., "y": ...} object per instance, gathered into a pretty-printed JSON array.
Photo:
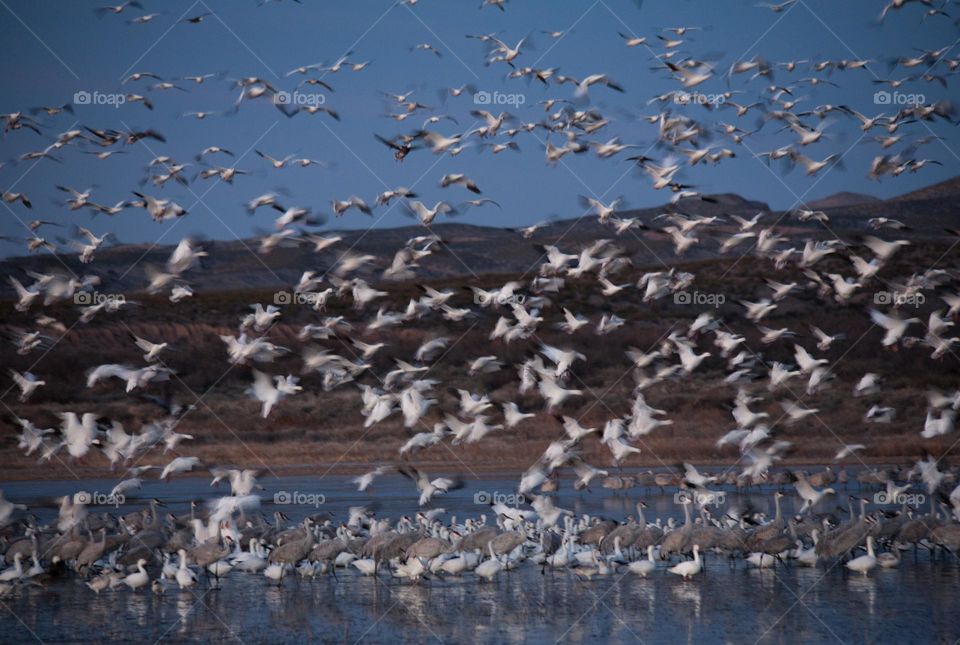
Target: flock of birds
[
  {"x": 147, "y": 548},
  {"x": 214, "y": 540}
]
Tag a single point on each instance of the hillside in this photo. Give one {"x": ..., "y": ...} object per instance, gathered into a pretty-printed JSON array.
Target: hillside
[{"x": 231, "y": 265}]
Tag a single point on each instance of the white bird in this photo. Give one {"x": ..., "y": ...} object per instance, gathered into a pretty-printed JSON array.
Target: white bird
[
  {"x": 185, "y": 577},
  {"x": 428, "y": 488},
  {"x": 688, "y": 568},
  {"x": 152, "y": 349},
  {"x": 271, "y": 390},
  {"x": 365, "y": 480},
  {"x": 865, "y": 563},
  {"x": 179, "y": 465},
  {"x": 27, "y": 382},
  {"x": 894, "y": 326},
  {"x": 513, "y": 416},
  {"x": 138, "y": 579},
  {"x": 847, "y": 450}
]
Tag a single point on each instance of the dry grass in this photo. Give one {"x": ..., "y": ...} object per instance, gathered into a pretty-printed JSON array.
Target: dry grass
[{"x": 319, "y": 428}]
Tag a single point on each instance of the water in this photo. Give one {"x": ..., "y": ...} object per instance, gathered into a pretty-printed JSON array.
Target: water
[{"x": 919, "y": 602}]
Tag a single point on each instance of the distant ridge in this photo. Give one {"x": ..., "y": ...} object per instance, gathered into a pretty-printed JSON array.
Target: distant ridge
[
  {"x": 841, "y": 199},
  {"x": 470, "y": 250},
  {"x": 943, "y": 190}
]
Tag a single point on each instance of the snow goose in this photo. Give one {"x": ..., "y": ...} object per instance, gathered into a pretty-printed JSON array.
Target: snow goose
[
  {"x": 268, "y": 394},
  {"x": 865, "y": 563},
  {"x": 643, "y": 568},
  {"x": 688, "y": 568},
  {"x": 894, "y": 326},
  {"x": 139, "y": 579}
]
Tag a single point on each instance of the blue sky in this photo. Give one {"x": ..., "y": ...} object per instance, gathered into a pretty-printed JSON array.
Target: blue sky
[{"x": 54, "y": 49}]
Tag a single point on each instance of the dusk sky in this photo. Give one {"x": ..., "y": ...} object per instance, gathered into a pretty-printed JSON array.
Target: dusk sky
[{"x": 52, "y": 54}]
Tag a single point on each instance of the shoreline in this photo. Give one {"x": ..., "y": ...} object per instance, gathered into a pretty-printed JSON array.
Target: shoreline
[{"x": 27, "y": 473}]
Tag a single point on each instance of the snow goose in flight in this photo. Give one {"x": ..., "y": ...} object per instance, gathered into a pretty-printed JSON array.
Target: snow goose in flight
[
  {"x": 179, "y": 465},
  {"x": 431, "y": 349},
  {"x": 880, "y": 414},
  {"x": 513, "y": 416},
  {"x": 810, "y": 495},
  {"x": 270, "y": 394},
  {"x": 261, "y": 318},
  {"x": 563, "y": 359},
  {"x": 583, "y": 86},
  {"x": 426, "y": 215},
  {"x": 882, "y": 249},
  {"x": 184, "y": 257},
  {"x": 365, "y": 480},
  {"x": 30, "y": 440},
  {"x": 571, "y": 322},
  {"x": 893, "y": 325},
  {"x": 423, "y": 440},
  {"x": 554, "y": 395},
  {"x": 134, "y": 378},
  {"x": 117, "y": 9},
  {"x": 384, "y": 198},
  {"x": 428, "y": 488},
  {"x": 812, "y": 166},
  {"x": 461, "y": 180},
  {"x": 25, "y": 295},
  {"x": 152, "y": 349},
  {"x": 847, "y": 450},
  {"x": 484, "y": 365},
  {"x": 868, "y": 385},
  {"x": 603, "y": 211},
  {"x": 585, "y": 473},
  {"x": 934, "y": 426},
  {"x": 609, "y": 323},
  {"x": 242, "y": 482}
]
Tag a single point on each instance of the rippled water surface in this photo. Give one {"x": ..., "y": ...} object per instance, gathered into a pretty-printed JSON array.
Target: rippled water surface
[{"x": 917, "y": 603}]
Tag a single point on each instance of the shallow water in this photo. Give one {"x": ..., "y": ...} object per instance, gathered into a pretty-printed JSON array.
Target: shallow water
[{"x": 919, "y": 602}]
